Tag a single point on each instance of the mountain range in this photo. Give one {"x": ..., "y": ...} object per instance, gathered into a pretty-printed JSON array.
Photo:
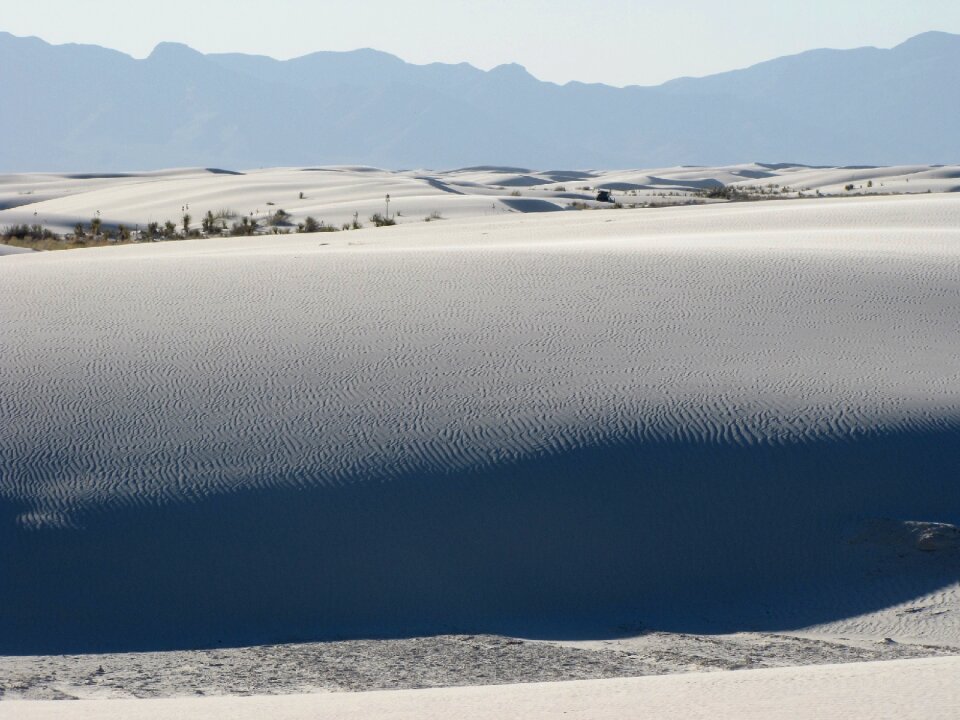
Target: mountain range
[{"x": 87, "y": 108}]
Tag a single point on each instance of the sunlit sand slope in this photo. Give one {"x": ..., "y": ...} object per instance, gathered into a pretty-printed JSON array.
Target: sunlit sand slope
[{"x": 898, "y": 690}]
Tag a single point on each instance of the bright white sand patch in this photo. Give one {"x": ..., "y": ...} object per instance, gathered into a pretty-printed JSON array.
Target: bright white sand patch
[{"x": 898, "y": 690}]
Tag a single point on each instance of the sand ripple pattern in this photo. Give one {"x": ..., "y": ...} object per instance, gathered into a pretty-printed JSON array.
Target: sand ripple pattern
[{"x": 145, "y": 375}]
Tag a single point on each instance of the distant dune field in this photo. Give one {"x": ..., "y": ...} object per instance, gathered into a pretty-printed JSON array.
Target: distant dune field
[
  {"x": 731, "y": 417},
  {"x": 344, "y": 194}
]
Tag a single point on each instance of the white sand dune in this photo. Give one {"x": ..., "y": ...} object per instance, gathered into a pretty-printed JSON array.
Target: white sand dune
[
  {"x": 336, "y": 194},
  {"x": 703, "y": 419},
  {"x": 898, "y": 690}
]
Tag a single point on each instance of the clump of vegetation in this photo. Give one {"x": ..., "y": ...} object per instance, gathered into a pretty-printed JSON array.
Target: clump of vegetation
[
  {"x": 382, "y": 220},
  {"x": 848, "y": 187},
  {"x": 435, "y": 215},
  {"x": 515, "y": 193},
  {"x": 310, "y": 225},
  {"x": 724, "y": 192},
  {"x": 209, "y": 223},
  {"x": 280, "y": 218},
  {"x": 28, "y": 232},
  {"x": 247, "y": 226}
]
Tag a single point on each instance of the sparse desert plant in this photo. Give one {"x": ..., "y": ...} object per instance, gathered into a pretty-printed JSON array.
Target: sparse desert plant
[
  {"x": 560, "y": 188},
  {"x": 27, "y": 233},
  {"x": 280, "y": 217},
  {"x": 209, "y": 223},
  {"x": 515, "y": 193},
  {"x": 310, "y": 225},
  {"x": 435, "y": 215},
  {"x": 169, "y": 229},
  {"x": 723, "y": 192},
  {"x": 95, "y": 225},
  {"x": 246, "y": 226},
  {"x": 848, "y": 187},
  {"x": 381, "y": 220},
  {"x": 301, "y": 194},
  {"x": 186, "y": 223}
]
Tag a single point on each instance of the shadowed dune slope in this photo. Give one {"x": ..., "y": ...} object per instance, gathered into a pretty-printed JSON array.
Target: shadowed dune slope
[{"x": 546, "y": 424}]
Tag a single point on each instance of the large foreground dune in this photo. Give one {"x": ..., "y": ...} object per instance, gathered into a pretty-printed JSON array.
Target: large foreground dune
[{"x": 738, "y": 417}]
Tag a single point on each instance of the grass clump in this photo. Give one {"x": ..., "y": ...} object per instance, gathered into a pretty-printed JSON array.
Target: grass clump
[{"x": 381, "y": 220}]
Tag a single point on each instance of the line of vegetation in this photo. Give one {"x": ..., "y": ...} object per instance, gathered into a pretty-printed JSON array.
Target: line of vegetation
[{"x": 212, "y": 224}]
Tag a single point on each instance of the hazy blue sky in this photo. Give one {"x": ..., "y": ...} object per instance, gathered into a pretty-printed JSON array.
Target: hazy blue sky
[{"x": 615, "y": 41}]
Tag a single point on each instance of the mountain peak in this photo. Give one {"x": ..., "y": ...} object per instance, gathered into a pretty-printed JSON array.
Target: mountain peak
[
  {"x": 932, "y": 40},
  {"x": 173, "y": 50}
]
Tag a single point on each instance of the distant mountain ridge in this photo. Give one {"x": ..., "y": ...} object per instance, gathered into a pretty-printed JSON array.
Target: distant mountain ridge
[{"x": 87, "y": 108}]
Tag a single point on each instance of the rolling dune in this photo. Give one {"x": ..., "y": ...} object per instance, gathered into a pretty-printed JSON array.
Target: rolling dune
[
  {"x": 691, "y": 418},
  {"x": 338, "y": 194}
]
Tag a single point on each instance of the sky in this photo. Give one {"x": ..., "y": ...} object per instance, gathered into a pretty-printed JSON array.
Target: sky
[{"x": 617, "y": 42}]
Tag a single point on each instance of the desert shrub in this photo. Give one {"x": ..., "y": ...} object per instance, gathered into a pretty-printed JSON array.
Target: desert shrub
[
  {"x": 381, "y": 220},
  {"x": 209, "y": 223},
  {"x": 720, "y": 192},
  {"x": 560, "y": 188},
  {"x": 246, "y": 226},
  {"x": 848, "y": 187},
  {"x": 310, "y": 225},
  {"x": 515, "y": 193},
  {"x": 28, "y": 232},
  {"x": 435, "y": 215},
  {"x": 280, "y": 217}
]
